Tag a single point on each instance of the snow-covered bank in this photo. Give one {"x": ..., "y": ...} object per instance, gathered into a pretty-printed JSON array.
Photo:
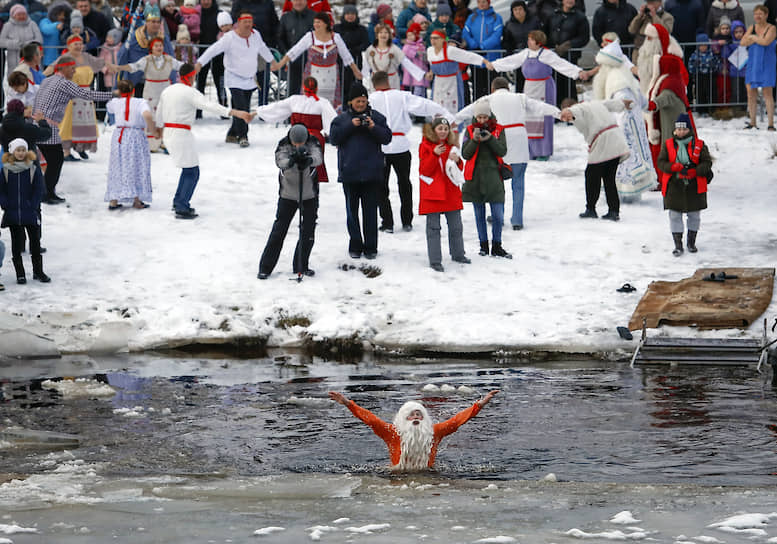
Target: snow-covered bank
[{"x": 140, "y": 279}]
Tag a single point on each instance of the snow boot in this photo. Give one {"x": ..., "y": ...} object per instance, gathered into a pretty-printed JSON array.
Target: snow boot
[
  {"x": 498, "y": 251},
  {"x": 678, "y": 244},
  {"x": 37, "y": 270},
  {"x": 483, "y": 249},
  {"x": 21, "y": 278},
  {"x": 692, "y": 241}
]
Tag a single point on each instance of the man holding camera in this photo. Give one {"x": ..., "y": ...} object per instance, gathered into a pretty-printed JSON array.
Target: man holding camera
[
  {"x": 359, "y": 132},
  {"x": 652, "y": 12},
  {"x": 297, "y": 156}
]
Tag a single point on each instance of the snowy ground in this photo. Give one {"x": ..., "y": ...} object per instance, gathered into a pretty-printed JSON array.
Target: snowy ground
[{"x": 139, "y": 279}]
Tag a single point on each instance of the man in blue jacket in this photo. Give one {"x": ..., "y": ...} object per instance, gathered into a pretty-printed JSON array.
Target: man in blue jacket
[
  {"x": 407, "y": 14},
  {"x": 483, "y": 32},
  {"x": 358, "y": 133}
]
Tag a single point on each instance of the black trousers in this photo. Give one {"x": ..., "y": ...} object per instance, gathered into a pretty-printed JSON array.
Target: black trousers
[
  {"x": 595, "y": 175},
  {"x": 216, "y": 67},
  {"x": 17, "y": 240},
  {"x": 400, "y": 162},
  {"x": 283, "y": 216},
  {"x": 481, "y": 82},
  {"x": 55, "y": 157},
  {"x": 241, "y": 100},
  {"x": 296, "y": 69},
  {"x": 364, "y": 195},
  {"x": 565, "y": 88}
]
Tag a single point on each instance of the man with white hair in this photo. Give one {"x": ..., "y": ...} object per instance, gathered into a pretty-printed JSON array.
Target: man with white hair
[{"x": 412, "y": 438}]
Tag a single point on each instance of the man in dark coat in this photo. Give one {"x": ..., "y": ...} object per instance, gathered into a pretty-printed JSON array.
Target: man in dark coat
[
  {"x": 567, "y": 29},
  {"x": 613, "y": 16},
  {"x": 266, "y": 23},
  {"x": 356, "y": 38},
  {"x": 689, "y": 18},
  {"x": 292, "y": 27},
  {"x": 358, "y": 133},
  {"x": 94, "y": 19},
  {"x": 685, "y": 166}
]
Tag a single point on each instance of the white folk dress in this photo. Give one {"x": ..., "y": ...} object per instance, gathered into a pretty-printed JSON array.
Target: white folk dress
[
  {"x": 129, "y": 166},
  {"x": 447, "y": 86},
  {"x": 157, "y": 78},
  {"x": 387, "y": 60}
]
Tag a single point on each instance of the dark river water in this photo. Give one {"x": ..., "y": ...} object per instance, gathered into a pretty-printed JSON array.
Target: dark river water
[{"x": 688, "y": 432}]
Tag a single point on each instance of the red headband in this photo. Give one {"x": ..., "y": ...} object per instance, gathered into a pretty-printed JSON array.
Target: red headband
[
  {"x": 63, "y": 64},
  {"x": 242, "y": 17},
  {"x": 439, "y": 33},
  {"x": 72, "y": 39},
  {"x": 151, "y": 43},
  {"x": 187, "y": 79},
  {"x": 309, "y": 91}
]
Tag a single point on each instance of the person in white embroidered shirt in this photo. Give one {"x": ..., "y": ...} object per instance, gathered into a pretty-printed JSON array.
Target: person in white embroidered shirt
[
  {"x": 241, "y": 48},
  {"x": 175, "y": 113},
  {"x": 397, "y": 106},
  {"x": 511, "y": 111}
]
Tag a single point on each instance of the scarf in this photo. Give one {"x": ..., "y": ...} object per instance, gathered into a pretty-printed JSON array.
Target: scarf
[{"x": 682, "y": 150}]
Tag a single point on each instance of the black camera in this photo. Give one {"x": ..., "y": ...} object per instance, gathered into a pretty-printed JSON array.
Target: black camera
[
  {"x": 481, "y": 133},
  {"x": 364, "y": 119}
]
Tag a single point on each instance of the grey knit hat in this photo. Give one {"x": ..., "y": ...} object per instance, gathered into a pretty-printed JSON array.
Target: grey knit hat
[{"x": 298, "y": 134}]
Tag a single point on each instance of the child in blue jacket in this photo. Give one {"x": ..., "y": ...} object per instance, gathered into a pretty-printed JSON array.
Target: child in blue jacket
[{"x": 21, "y": 192}]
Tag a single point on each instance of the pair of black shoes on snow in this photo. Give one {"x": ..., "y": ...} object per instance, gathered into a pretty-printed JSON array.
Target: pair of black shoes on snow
[
  {"x": 496, "y": 250},
  {"x": 591, "y": 214}
]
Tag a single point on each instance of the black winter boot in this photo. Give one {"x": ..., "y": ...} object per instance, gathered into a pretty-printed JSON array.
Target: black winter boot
[
  {"x": 483, "y": 249},
  {"x": 21, "y": 278},
  {"x": 692, "y": 241},
  {"x": 37, "y": 270},
  {"x": 678, "y": 243},
  {"x": 498, "y": 251}
]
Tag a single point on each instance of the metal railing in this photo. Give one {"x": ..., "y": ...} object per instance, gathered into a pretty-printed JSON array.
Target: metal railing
[{"x": 706, "y": 91}]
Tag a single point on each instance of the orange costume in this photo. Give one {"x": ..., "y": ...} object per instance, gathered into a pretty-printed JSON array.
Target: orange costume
[{"x": 389, "y": 434}]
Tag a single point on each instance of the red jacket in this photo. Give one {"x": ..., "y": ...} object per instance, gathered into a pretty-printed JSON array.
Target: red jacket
[
  {"x": 441, "y": 195},
  {"x": 694, "y": 151}
]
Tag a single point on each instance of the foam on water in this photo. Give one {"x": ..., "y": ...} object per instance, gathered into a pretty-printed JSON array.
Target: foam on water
[{"x": 80, "y": 388}]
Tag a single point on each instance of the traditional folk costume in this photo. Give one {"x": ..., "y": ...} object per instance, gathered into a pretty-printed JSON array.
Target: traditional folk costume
[
  {"x": 176, "y": 111},
  {"x": 615, "y": 80},
  {"x": 314, "y": 112},
  {"x": 156, "y": 71},
  {"x": 322, "y": 63},
  {"x": 537, "y": 67},
  {"x": 387, "y": 60},
  {"x": 79, "y": 126},
  {"x": 129, "y": 166},
  {"x": 447, "y": 86}
]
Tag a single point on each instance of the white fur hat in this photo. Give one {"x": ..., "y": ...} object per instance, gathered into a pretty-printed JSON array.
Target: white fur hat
[
  {"x": 16, "y": 143},
  {"x": 223, "y": 18},
  {"x": 189, "y": 3}
]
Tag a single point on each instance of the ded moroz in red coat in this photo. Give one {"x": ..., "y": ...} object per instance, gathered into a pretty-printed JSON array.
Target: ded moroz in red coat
[{"x": 441, "y": 195}]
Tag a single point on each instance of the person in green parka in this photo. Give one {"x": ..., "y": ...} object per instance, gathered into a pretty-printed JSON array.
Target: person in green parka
[{"x": 485, "y": 145}]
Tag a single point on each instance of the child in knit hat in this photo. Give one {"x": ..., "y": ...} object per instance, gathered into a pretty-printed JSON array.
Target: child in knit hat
[
  {"x": 191, "y": 12},
  {"x": 415, "y": 51},
  {"x": 185, "y": 51},
  {"x": 703, "y": 65}
]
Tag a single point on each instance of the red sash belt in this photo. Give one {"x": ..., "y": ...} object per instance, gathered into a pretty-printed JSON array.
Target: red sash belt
[
  {"x": 397, "y": 133},
  {"x": 158, "y": 80},
  {"x": 513, "y": 125},
  {"x": 121, "y": 132},
  {"x": 446, "y": 75},
  {"x": 178, "y": 125},
  {"x": 540, "y": 79}
]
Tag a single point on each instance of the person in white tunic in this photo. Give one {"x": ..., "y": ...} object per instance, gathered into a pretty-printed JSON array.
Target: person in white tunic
[
  {"x": 323, "y": 47},
  {"x": 241, "y": 48},
  {"x": 444, "y": 73},
  {"x": 385, "y": 56},
  {"x": 606, "y": 149},
  {"x": 511, "y": 111},
  {"x": 397, "y": 106},
  {"x": 175, "y": 114},
  {"x": 614, "y": 79},
  {"x": 129, "y": 166},
  {"x": 537, "y": 65}
]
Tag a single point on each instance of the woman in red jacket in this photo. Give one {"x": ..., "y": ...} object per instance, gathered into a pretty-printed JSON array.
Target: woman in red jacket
[{"x": 441, "y": 177}]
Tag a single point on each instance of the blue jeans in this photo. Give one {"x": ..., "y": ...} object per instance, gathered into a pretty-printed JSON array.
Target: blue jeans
[
  {"x": 497, "y": 217},
  {"x": 186, "y": 185},
  {"x": 519, "y": 173}
]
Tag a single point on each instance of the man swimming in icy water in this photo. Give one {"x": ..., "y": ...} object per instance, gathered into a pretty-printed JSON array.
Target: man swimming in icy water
[{"x": 412, "y": 439}]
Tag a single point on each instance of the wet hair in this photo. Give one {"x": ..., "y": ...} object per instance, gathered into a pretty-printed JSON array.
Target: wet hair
[
  {"x": 499, "y": 83},
  {"x": 125, "y": 86},
  {"x": 761, "y": 7},
  {"x": 324, "y": 18},
  {"x": 16, "y": 79},
  {"x": 29, "y": 51},
  {"x": 538, "y": 36},
  {"x": 380, "y": 79}
]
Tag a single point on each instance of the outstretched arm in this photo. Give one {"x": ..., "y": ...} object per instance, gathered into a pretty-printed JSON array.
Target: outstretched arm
[
  {"x": 452, "y": 425},
  {"x": 381, "y": 428},
  {"x": 485, "y": 400}
]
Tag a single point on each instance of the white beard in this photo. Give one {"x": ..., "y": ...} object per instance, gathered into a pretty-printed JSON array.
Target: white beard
[
  {"x": 645, "y": 63},
  {"x": 415, "y": 440}
]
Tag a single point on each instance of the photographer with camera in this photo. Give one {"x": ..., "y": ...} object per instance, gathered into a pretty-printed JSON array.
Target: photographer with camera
[
  {"x": 358, "y": 133},
  {"x": 652, "y": 12},
  {"x": 297, "y": 155}
]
